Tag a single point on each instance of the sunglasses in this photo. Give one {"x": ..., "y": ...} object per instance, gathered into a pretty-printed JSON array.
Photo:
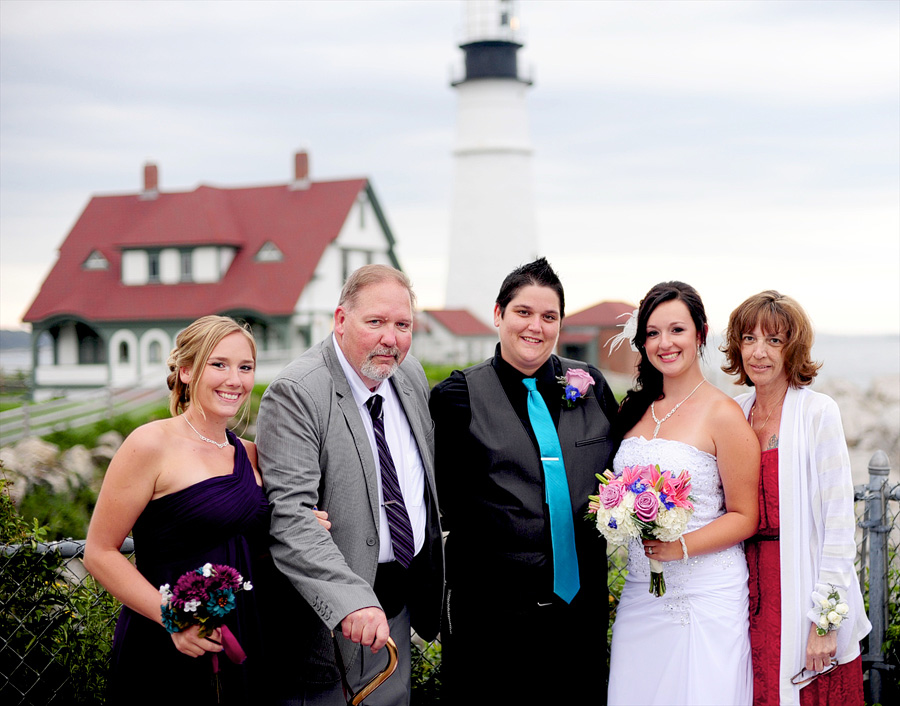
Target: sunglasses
[{"x": 805, "y": 676}]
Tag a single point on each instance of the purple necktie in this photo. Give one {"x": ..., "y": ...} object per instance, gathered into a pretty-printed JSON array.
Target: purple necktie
[{"x": 398, "y": 519}]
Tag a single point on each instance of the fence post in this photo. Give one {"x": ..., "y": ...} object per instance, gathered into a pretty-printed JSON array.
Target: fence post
[{"x": 879, "y": 468}]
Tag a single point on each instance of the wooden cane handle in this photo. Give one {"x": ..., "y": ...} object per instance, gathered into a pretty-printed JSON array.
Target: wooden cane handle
[{"x": 381, "y": 677}]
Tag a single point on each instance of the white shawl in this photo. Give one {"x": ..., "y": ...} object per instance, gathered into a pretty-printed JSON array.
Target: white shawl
[{"x": 817, "y": 528}]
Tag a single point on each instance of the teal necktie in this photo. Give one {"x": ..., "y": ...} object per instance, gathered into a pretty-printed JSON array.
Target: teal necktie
[{"x": 562, "y": 526}]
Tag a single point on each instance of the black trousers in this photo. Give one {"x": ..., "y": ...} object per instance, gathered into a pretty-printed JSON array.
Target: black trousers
[{"x": 523, "y": 649}]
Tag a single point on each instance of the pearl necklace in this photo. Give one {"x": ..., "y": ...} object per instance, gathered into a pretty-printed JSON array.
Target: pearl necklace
[
  {"x": 203, "y": 438},
  {"x": 672, "y": 411}
]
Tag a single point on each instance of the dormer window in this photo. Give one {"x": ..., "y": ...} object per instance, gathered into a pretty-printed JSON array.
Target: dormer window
[
  {"x": 269, "y": 252},
  {"x": 95, "y": 261}
]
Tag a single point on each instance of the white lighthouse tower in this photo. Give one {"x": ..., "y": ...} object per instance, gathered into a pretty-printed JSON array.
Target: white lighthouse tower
[{"x": 492, "y": 229}]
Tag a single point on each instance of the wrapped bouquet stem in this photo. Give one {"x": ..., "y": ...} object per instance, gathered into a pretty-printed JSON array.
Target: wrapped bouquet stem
[{"x": 657, "y": 580}]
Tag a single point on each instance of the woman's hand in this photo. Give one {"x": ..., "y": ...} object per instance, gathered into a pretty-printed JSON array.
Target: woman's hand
[
  {"x": 820, "y": 649},
  {"x": 663, "y": 551},
  {"x": 322, "y": 517},
  {"x": 190, "y": 643}
]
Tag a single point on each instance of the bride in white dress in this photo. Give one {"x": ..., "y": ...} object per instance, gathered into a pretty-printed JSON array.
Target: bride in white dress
[{"x": 690, "y": 645}]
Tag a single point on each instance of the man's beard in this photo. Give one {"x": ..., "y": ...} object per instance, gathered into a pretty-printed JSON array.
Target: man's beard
[{"x": 380, "y": 371}]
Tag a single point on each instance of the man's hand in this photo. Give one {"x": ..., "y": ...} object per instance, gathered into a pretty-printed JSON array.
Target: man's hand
[{"x": 367, "y": 627}]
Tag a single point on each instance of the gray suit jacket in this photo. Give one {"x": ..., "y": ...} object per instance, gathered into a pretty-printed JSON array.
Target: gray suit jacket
[{"x": 314, "y": 451}]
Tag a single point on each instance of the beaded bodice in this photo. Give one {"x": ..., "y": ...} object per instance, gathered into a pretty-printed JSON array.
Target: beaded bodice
[{"x": 706, "y": 494}]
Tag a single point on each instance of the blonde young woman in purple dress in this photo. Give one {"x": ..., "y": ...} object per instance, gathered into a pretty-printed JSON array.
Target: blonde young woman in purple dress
[{"x": 189, "y": 491}]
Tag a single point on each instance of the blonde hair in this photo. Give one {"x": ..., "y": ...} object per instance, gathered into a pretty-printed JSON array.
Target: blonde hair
[
  {"x": 193, "y": 346},
  {"x": 774, "y": 313}
]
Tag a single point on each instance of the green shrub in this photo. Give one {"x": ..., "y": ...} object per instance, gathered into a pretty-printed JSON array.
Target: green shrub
[
  {"x": 426, "y": 675},
  {"x": 87, "y": 436},
  {"x": 63, "y": 515},
  {"x": 55, "y": 632}
]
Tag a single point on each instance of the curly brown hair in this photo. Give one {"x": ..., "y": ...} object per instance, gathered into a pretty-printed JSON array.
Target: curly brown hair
[{"x": 774, "y": 313}]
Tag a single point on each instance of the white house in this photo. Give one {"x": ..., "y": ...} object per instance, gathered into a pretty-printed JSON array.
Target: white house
[
  {"x": 452, "y": 337},
  {"x": 137, "y": 268}
]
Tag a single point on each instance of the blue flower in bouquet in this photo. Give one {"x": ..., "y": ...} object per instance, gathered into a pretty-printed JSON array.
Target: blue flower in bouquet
[
  {"x": 201, "y": 597},
  {"x": 220, "y": 603},
  {"x": 169, "y": 619},
  {"x": 638, "y": 486},
  {"x": 664, "y": 499}
]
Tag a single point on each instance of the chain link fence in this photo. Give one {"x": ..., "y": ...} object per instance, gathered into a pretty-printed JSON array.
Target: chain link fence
[{"x": 56, "y": 623}]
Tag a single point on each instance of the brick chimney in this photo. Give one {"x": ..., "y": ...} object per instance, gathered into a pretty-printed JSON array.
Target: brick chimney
[
  {"x": 301, "y": 171},
  {"x": 151, "y": 181}
]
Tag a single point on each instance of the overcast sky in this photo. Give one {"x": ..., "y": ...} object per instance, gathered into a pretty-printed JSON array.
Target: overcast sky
[{"x": 738, "y": 146}]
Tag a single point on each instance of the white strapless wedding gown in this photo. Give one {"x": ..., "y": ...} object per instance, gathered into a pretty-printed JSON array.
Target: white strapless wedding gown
[{"x": 691, "y": 645}]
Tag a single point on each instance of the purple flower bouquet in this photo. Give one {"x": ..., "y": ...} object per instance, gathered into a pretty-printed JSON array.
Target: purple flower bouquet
[{"x": 204, "y": 597}]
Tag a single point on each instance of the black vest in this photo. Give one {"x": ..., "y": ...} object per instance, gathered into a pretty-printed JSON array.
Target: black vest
[{"x": 506, "y": 531}]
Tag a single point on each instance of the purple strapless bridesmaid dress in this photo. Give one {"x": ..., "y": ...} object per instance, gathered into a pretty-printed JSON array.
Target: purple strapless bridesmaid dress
[{"x": 222, "y": 520}]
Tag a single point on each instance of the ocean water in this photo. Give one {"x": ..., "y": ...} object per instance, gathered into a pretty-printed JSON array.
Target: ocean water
[{"x": 860, "y": 360}]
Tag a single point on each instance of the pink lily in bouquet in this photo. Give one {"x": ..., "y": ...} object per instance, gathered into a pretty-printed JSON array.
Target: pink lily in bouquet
[{"x": 642, "y": 502}]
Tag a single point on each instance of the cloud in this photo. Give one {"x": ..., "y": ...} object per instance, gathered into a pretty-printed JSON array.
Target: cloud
[{"x": 739, "y": 145}]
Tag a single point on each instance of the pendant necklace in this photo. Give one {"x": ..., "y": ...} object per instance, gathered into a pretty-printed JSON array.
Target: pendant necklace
[
  {"x": 672, "y": 411},
  {"x": 753, "y": 409},
  {"x": 203, "y": 438}
]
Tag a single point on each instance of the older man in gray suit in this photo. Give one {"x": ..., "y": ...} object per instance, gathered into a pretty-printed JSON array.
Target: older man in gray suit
[{"x": 345, "y": 428}]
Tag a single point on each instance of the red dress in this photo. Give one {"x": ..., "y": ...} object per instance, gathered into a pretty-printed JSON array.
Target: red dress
[{"x": 841, "y": 687}]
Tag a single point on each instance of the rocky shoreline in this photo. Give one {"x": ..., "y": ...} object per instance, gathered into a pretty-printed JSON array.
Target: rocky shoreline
[{"x": 871, "y": 420}]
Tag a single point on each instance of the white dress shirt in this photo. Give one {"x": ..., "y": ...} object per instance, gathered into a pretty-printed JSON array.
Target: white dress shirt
[{"x": 404, "y": 452}]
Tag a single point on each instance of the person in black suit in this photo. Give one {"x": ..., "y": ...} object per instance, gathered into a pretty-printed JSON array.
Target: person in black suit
[{"x": 524, "y": 620}]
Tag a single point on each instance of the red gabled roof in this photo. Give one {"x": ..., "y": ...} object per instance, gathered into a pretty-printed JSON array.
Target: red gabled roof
[
  {"x": 602, "y": 314},
  {"x": 301, "y": 223},
  {"x": 460, "y": 322}
]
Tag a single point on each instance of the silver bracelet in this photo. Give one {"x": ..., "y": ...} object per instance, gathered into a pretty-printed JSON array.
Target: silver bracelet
[{"x": 684, "y": 549}]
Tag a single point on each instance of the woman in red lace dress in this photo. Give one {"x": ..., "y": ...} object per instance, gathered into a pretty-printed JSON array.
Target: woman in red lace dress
[{"x": 805, "y": 547}]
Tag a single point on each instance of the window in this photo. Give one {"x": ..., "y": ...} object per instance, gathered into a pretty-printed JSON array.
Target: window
[
  {"x": 154, "y": 352},
  {"x": 95, "y": 261},
  {"x": 153, "y": 266},
  {"x": 269, "y": 252},
  {"x": 123, "y": 352},
  {"x": 187, "y": 269}
]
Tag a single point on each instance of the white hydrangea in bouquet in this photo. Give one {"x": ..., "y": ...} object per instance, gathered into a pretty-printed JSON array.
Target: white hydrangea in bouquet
[{"x": 642, "y": 502}]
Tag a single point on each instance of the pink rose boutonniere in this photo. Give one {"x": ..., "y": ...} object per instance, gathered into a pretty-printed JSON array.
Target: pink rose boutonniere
[{"x": 576, "y": 383}]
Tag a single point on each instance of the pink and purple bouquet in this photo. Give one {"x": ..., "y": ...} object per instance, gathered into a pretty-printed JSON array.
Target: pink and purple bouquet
[
  {"x": 201, "y": 597},
  {"x": 642, "y": 502},
  {"x": 204, "y": 597}
]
